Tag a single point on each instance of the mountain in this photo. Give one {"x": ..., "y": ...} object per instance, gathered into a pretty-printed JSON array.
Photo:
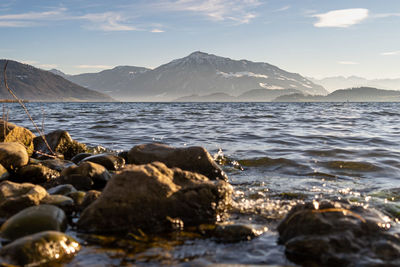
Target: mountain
[
  {"x": 30, "y": 83},
  {"x": 199, "y": 74},
  {"x": 339, "y": 82},
  {"x": 360, "y": 94},
  {"x": 113, "y": 81},
  {"x": 215, "y": 97}
]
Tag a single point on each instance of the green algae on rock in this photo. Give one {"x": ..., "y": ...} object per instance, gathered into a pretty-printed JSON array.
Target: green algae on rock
[{"x": 9, "y": 132}]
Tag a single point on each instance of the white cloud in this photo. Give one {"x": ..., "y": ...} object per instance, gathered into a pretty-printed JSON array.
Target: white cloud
[
  {"x": 217, "y": 10},
  {"x": 391, "y": 53},
  {"x": 157, "y": 31},
  {"x": 348, "y": 63},
  {"x": 283, "y": 9},
  {"x": 30, "y": 19},
  {"x": 108, "y": 21},
  {"x": 99, "y": 67},
  {"x": 342, "y": 18}
]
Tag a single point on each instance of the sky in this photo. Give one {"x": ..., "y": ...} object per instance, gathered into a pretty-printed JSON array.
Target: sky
[{"x": 316, "y": 38}]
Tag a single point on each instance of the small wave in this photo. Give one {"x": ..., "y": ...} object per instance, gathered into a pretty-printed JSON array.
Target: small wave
[{"x": 352, "y": 166}]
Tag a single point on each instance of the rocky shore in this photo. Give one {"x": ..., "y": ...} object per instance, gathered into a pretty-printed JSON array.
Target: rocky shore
[{"x": 152, "y": 189}]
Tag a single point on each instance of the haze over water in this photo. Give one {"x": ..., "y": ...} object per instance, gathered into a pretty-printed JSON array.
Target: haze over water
[{"x": 275, "y": 154}]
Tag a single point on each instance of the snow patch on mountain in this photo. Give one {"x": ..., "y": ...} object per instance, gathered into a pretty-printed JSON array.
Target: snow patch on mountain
[{"x": 242, "y": 74}]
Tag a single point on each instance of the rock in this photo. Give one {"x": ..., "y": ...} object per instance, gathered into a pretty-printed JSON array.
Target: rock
[
  {"x": 57, "y": 164},
  {"x": 36, "y": 174},
  {"x": 4, "y": 174},
  {"x": 108, "y": 160},
  {"x": 15, "y": 197},
  {"x": 13, "y": 156},
  {"x": 78, "y": 197},
  {"x": 194, "y": 159},
  {"x": 144, "y": 197},
  {"x": 33, "y": 220},
  {"x": 336, "y": 234},
  {"x": 77, "y": 158},
  {"x": 89, "y": 198},
  {"x": 80, "y": 182},
  {"x": 236, "y": 232},
  {"x": 65, "y": 203},
  {"x": 44, "y": 248},
  {"x": 63, "y": 189},
  {"x": 9, "y": 132},
  {"x": 60, "y": 142},
  {"x": 96, "y": 172}
]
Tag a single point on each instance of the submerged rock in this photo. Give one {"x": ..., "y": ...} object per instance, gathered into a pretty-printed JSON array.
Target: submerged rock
[
  {"x": 108, "y": 160},
  {"x": 9, "y": 132},
  {"x": 146, "y": 197},
  {"x": 15, "y": 197},
  {"x": 35, "y": 173},
  {"x": 59, "y": 142},
  {"x": 13, "y": 156},
  {"x": 336, "y": 234},
  {"x": 33, "y": 220},
  {"x": 194, "y": 159},
  {"x": 40, "y": 249}
]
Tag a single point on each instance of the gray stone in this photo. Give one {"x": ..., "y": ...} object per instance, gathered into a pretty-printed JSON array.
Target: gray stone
[{"x": 63, "y": 189}]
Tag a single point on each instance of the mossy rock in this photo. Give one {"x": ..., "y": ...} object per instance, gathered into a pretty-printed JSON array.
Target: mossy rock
[{"x": 10, "y": 132}]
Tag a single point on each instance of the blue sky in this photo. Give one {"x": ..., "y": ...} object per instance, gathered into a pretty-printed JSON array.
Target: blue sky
[{"x": 316, "y": 38}]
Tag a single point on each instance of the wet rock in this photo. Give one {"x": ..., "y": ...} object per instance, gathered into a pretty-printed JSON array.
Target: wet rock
[
  {"x": 108, "y": 160},
  {"x": 90, "y": 197},
  {"x": 77, "y": 158},
  {"x": 236, "y": 232},
  {"x": 33, "y": 220},
  {"x": 96, "y": 172},
  {"x": 44, "y": 248},
  {"x": 13, "y": 156},
  {"x": 78, "y": 197},
  {"x": 65, "y": 203},
  {"x": 80, "y": 182},
  {"x": 57, "y": 164},
  {"x": 336, "y": 234},
  {"x": 9, "y": 132},
  {"x": 15, "y": 197},
  {"x": 4, "y": 174},
  {"x": 60, "y": 142},
  {"x": 36, "y": 174},
  {"x": 63, "y": 189},
  {"x": 144, "y": 196},
  {"x": 194, "y": 159}
]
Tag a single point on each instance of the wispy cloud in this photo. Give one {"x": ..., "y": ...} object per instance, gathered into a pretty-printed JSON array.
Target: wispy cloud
[
  {"x": 348, "y": 63},
  {"x": 341, "y": 18},
  {"x": 98, "y": 67},
  {"x": 283, "y": 8},
  {"x": 391, "y": 53},
  {"x": 157, "y": 31},
  {"x": 108, "y": 21},
  {"x": 218, "y": 10}
]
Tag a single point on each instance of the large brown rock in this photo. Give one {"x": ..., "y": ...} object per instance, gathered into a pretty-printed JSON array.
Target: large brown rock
[
  {"x": 15, "y": 197},
  {"x": 13, "y": 156},
  {"x": 151, "y": 197},
  {"x": 59, "y": 142},
  {"x": 9, "y": 132},
  {"x": 36, "y": 174},
  {"x": 336, "y": 234},
  {"x": 194, "y": 159}
]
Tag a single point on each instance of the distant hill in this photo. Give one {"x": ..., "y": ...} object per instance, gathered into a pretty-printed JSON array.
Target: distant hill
[
  {"x": 216, "y": 97},
  {"x": 113, "y": 81},
  {"x": 335, "y": 83},
  {"x": 361, "y": 94},
  {"x": 34, "y": 84},
  {"x": 197, "y": 74}
]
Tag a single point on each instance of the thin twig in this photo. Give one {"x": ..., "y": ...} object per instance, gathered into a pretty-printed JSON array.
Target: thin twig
[{"x": 26, "y": 110}]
